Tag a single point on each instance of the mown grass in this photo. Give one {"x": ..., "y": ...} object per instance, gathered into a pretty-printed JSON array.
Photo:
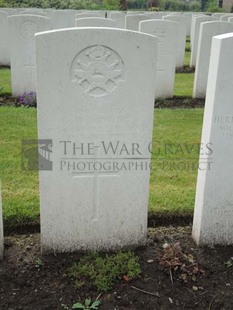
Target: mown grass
[
  {"x": 5, "y": 81},
  {"x": 184, "y": 84},
  {"x": 172, "y": 187},
  {"x": 20, "y": 188},
  {"x": 173, "y": 182}
]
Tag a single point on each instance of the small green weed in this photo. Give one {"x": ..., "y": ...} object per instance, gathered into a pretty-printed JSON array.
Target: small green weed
[
  {"x": 229, "y": 263},
  {"x": 88, "y": 305},
  {"x": 39, "y": 263},
  {"x": 101, "y": 272}
]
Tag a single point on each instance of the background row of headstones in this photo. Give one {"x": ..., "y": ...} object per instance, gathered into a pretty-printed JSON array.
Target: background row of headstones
[{"x": 17, "y": 47}]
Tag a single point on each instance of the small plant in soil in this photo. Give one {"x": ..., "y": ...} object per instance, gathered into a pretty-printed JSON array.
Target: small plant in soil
[
  {"x": 27, "y": 99},
  {"x": 39, "y": 263},
  {"x": 229, "y": 263},
  {"x": 101, "y": 272},
  {"x": 179, "y": 264},
  {"x": 87, "y": 305}
]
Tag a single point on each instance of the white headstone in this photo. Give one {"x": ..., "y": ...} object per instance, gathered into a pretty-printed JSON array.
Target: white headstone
[
  {"x": 207, "y": 31},
  {"x": 154, "y": 15},
  {"x": 89, "y": 14},
  {"x": 34, "y": 11},
  {"x": 167, "y": 33},
  {"x": 4, "y": 40},
  {"x": 181, "y": 38},
  {"x": 119, "y": 18},
  {"x": 1, "y": 227},
  {"x": 218, "y": 15},
  {"x": 197, "y": 23},
  {"x": 132, "y": 21},
  {"x": 188, "y": 15},
  {"x": 92, "y": 92},
  {"x": 230, "y": 20},
  {"x": 224, "y": 18},
  {"x": 193, "y": 25},
  {"x": 95, "y": 22},
  {"x": 63, "y": 19},
  {"x": 213, "y": 215},
  {"x": 22, "y": 29}
]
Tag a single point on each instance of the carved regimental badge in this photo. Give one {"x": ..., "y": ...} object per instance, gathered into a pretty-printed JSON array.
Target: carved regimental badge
[
  {"x": 28, "y": 29},
  {"x": 161, "y": 34},
  {"x": 98, "y": 71}
]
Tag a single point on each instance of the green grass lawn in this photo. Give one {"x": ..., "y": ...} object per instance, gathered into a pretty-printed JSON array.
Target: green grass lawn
[
  {"x": 172, "y": 186},
  {"x": 5, "y": 81},
  {"x": 184, "y": 84},
  {"x": 20, "y": 188}
]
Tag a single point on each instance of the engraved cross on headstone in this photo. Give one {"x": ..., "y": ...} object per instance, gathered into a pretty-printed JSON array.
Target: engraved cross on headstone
[{"x": 96, "y": 175}]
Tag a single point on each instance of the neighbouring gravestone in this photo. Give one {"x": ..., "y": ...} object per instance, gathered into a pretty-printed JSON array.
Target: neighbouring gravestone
[
  {"x": 192, "y": 25},
  {"x": 213, "y": 214},
  {"x": 207, "y": 31},
  {"x": 1, "y": 227},
  {"x": 197, "y": 23},
  {"x": 95, "y": 22},
  {"x": 119, "y": 18},
  {"x": 188, "y": 15},
  {"x": 34, "y": 11},
  {"x": 132, "y": 21},
  {"x": 89, "y": 14},
  {"x": 225, "y": 17},
  {"x": 22, "y": 29},
  {"x": 230, "y": 19},
  {"x": 93, "y": 93},
  {"x": 181, "y": 38},
  {"x": 62, "y": 19},
  {"x": 155, "y": 15},
  {"x": 167, "y": 33},
  {"x": 4, "y": 40},
  {"x": 218, "y": 15}
]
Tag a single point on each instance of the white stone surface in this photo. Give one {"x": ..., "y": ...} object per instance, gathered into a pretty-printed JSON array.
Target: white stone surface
[
  {"x": 230, "y": 19},
  {"x": 90, "y": 14},
  {"x": 1, "y": 227},
  {"x": 95, "y": 22},
  {"x": 181, "y": 38},
  {"x": 62, "y": 19},
  {"x": 119, "y": 18},
  {"x": 167, "y": 33},
  {"x": 213, "y": 215},
  {"x": 22, "y": 50},
  {"x": 207, "y": 31},
  {"x": 197, "y": 23},
  {"x": 91, "y": 89},
  {"x": 33, "y": 11},
  {"x": 188, "y": 15},
  {"x": 224, "y": 18},
  {"x": 153, "y": 15},
  {"x": 4, "y": 39},
  {"x": 193, "y": 25},
  {"x": 218, "y": 15},
  {"x": 132, "y": 21}
]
